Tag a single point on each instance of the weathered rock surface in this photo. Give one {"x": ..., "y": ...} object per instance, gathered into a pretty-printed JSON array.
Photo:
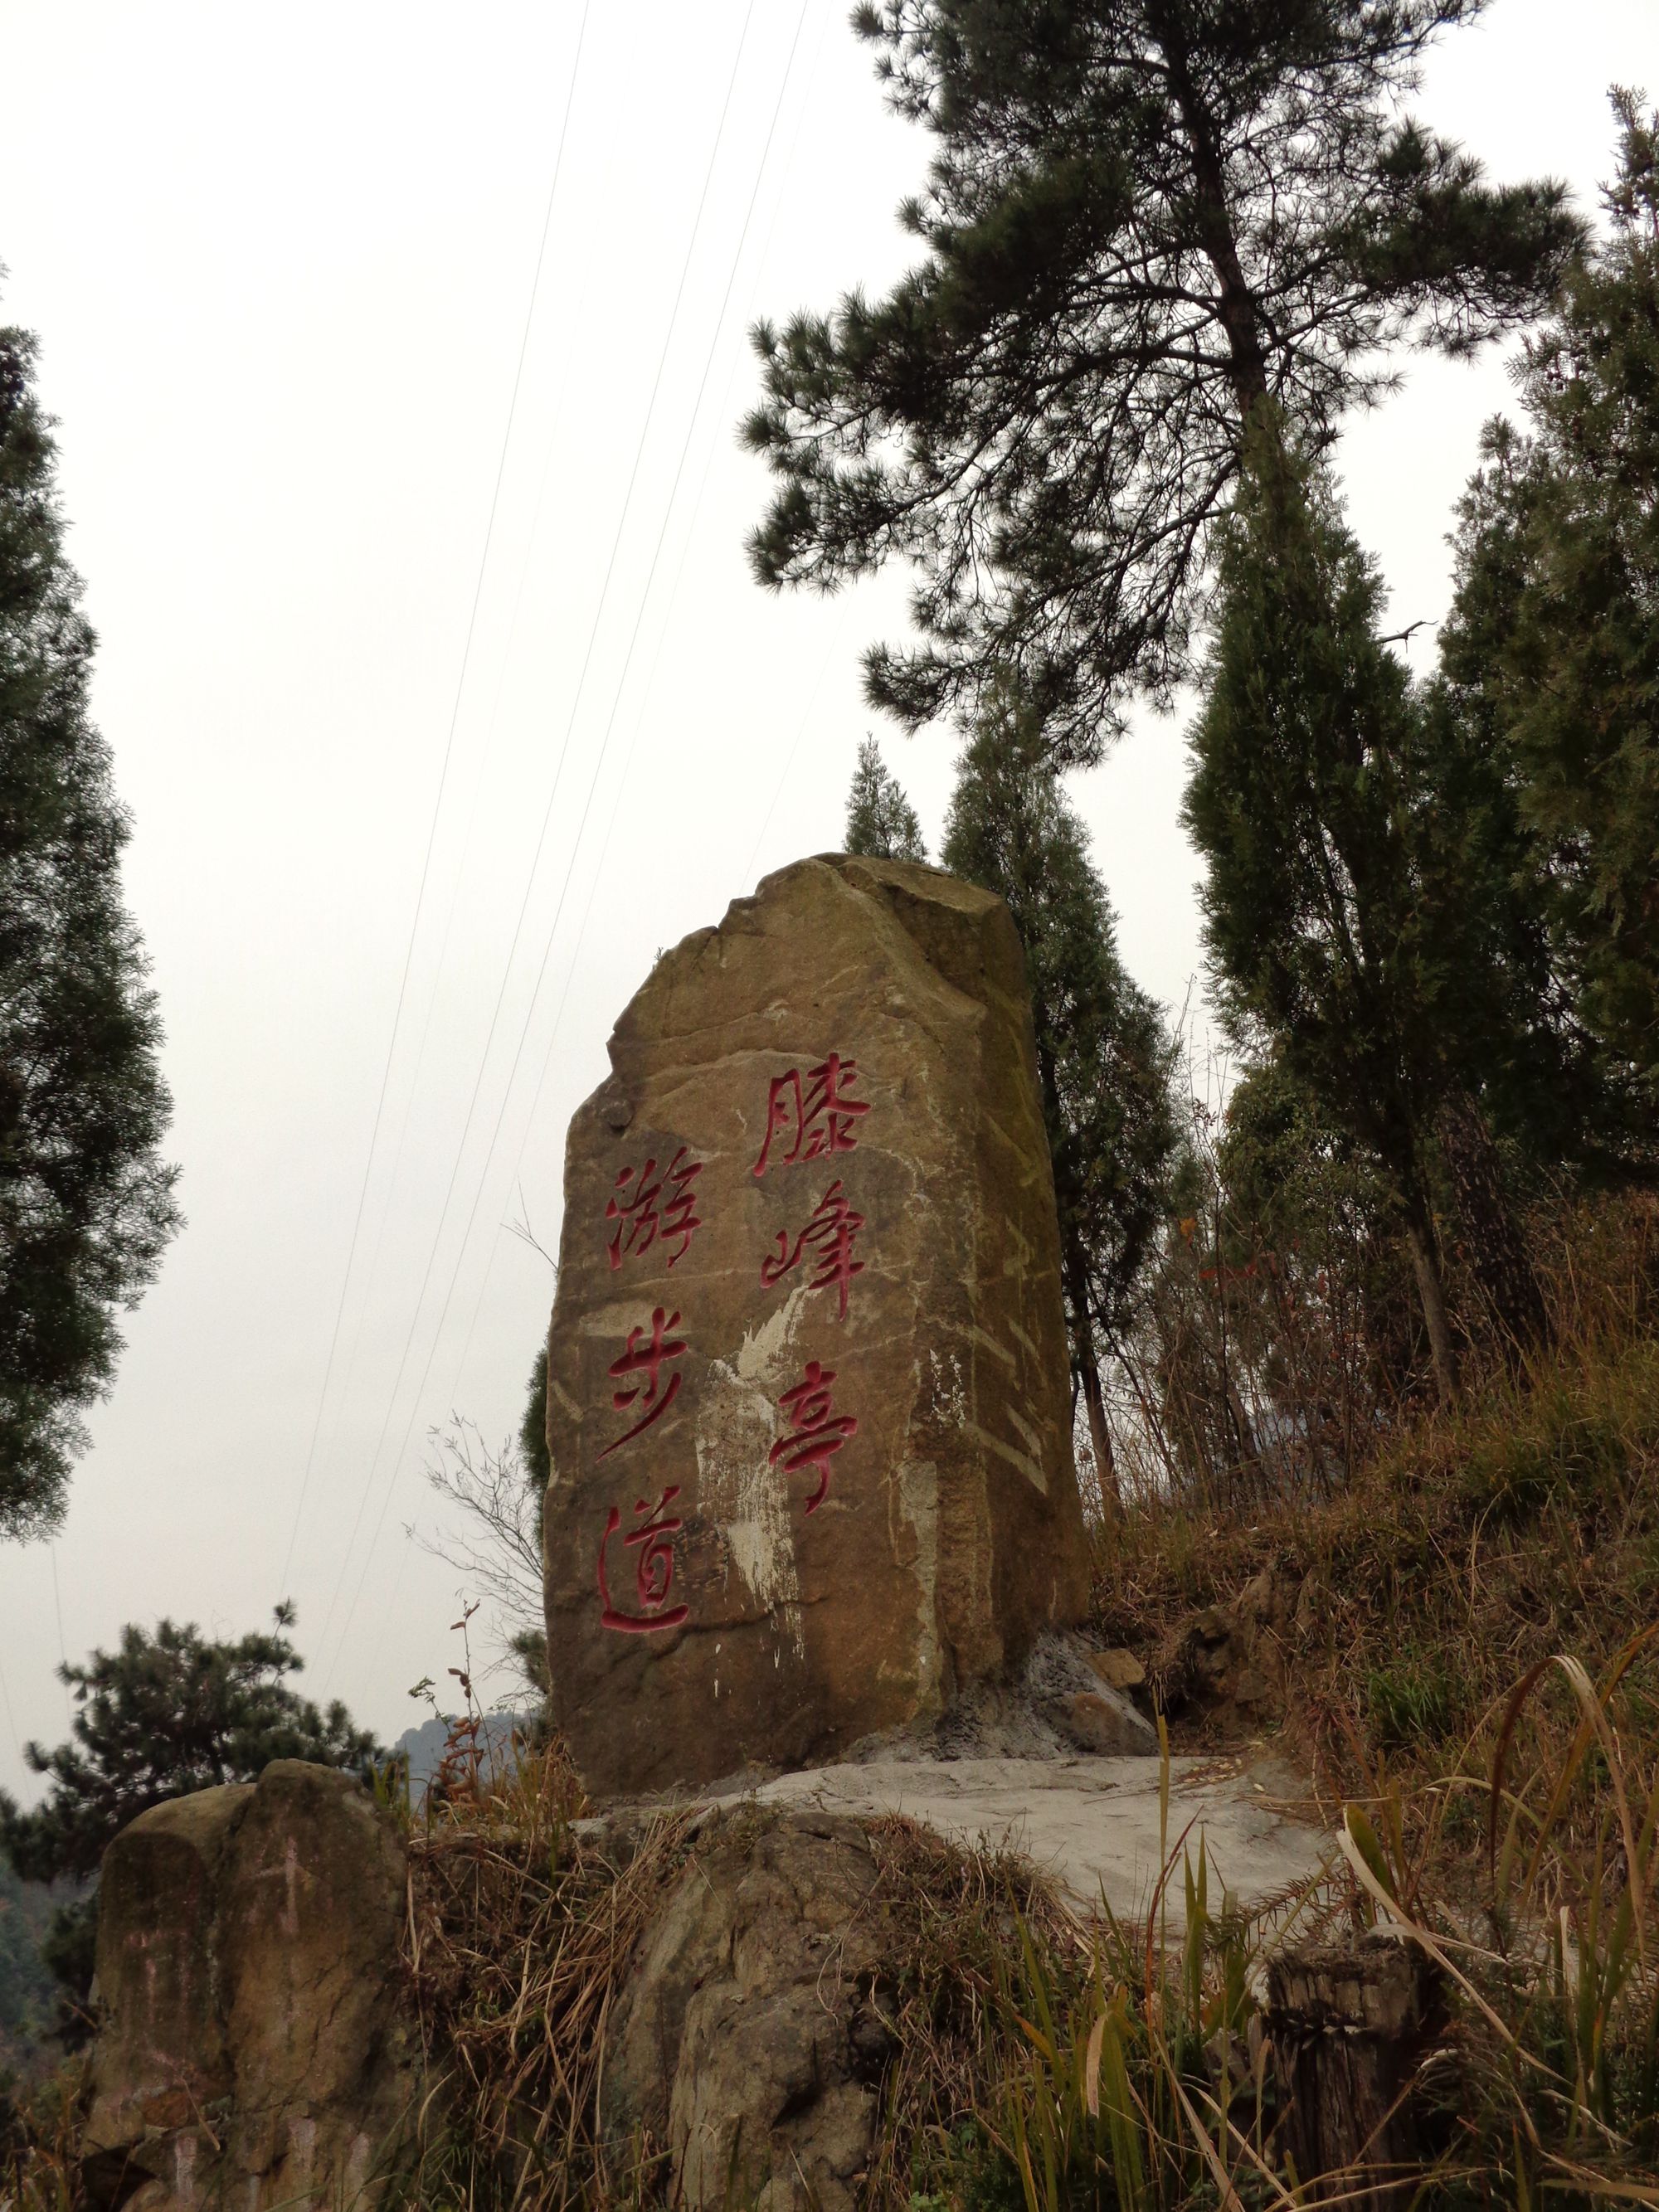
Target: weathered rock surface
[
  {"x": 1093, "y": 1827},
  {"x": 1226, "y": 1664},
  {"x": 744, "y": 2062},
  {"x": 808, "y": 1406},
  {"x": 747, "y": 2046},
  {"x": 253, "y": 2051}
]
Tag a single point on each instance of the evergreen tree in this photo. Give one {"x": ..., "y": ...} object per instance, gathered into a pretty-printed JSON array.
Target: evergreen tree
[
  {"x": 167, "y": 1713},
  {"x": 86, "y": 1202},
  {"x": 533, "y": 1429},
  {"x": 26, "y": 1993},
  {"x": 1345, "y": 940},
  {"x": 529, "y": 1643},
  {"x": 1553, "y": 648},
  {"x": 1142, "y": 218},
  {"x": 1103, "y": 1058},
  {"x": 881, "y": 823}
]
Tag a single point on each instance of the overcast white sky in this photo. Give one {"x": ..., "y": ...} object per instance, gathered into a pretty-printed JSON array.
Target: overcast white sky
[{"x": 279, "y": 261}]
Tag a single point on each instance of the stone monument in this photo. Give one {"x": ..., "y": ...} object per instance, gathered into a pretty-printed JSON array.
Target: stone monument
[{"x": 809, "y": 1405}]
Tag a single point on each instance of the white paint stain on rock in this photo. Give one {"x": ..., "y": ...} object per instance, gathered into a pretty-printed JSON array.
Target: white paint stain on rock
[
  {"x": 739, "y": 1489},
  {"x": 918, "y": 1499}
]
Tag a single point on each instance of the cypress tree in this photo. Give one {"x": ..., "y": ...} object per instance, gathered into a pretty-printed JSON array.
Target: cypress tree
[
  {"x": 881, "y": 823},
  {"x": 86, "y": 1201},
  {"x": 1142, "y": 218},
  {"x": 1103, "y": 1058},
  {"x": 1553, "y": 648},
  {"x": 1322, "y": 949}
]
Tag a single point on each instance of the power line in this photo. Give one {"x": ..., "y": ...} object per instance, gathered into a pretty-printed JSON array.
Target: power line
[
  {"x": 639, "y": 619},
  {"x": 437, "y": 805},
  {"x": 638, "y": 721},
  {"x": 534, "y": 865},
  {"x": 581, "y": 935},
  {"x": 372, "y": 1275},
  {"x": 593, "y": 784}
]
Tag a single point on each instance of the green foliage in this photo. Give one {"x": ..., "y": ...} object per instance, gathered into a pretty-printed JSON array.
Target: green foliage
[
  {"x": 1330, "y": 934},
  {"x": 1102, "y": 1056},
  {"x": 881, "y": 823},
  {"x": 533, "y": 1429},
  {"x": 26, "y": 1981},
  {"x": 1363, "y": 928},
  {"x": 1562, "y": 1450},
  {"x": 167, "y": 1713},
  {"x": 1553, "y": 648},
  {"x": 1413, "y": 1705},
  {"x": 86, "y": 1202},
  {"x": 1142, "y": 217},
  {"x": 1119, "y": 2092},
  {"x": 529, "y": 1644}
]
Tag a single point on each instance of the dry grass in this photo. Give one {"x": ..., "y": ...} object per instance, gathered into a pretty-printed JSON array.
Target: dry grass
[
  {"x": 955, "y": 1919},
  {"x": 1471, "y": 1545},
  {"x": 520, "y": 1931},
  {"x": 519, "y": 1928}
]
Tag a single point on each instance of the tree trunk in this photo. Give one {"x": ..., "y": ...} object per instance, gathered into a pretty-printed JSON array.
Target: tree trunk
[
  {"x": 1496, "y": 1250},
  {"x": 1238, "y": 309},
  {"x": 1420, "y": 1242},
  {"x": 1088, "y": 1371},
  {"x": 1349, "y": 2023},
  {"x": 1100, "y": 1435}
]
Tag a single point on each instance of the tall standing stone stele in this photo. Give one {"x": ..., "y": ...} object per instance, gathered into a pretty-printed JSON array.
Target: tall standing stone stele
[{"x": 808, "y": 1398}]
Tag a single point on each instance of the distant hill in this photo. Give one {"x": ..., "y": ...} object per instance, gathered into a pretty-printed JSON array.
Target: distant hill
[{"x": 424, "y": 1746}]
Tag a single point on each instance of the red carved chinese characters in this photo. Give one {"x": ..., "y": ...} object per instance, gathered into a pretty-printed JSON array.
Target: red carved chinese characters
[
  {"x": 640, "y": 1222},
  {"x": 647, "y": 1359},
  {"x": 818, "y": 1433},
  {"x": 829, "y": 1235},
  {"x": 822, "y": 1114},
  {"x": 654, "y": 1567}
]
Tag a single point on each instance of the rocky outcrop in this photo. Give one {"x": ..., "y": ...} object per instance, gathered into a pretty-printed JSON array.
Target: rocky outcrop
[
  {"x": 1225, "y": 1665},
  {"x": 808, "y": 1405},
  {"x": 253, "y": 2049},
  {"x": 259, "y": 2049},
  {"x": 749, "y": 2043}
]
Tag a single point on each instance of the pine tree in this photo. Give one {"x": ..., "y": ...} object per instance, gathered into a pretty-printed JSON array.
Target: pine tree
[
  {"x": 881, "y": 823},
  {"x": 167, "y": 1713},
  {"x": 1103, "y": 1058},
  {"x": 1143, "y": 218},
  {"x": 86, "y": 1202},
  {"x": 1553, "y": 648}
]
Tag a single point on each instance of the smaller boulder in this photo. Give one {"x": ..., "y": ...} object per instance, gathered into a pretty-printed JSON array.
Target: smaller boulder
[
  {"x": 1086, "y": 1711},
  {"x": 1118, "y": 1668},
  {"x": 1101, "y": 1724},
  {"x": 255, "y": 2046}
]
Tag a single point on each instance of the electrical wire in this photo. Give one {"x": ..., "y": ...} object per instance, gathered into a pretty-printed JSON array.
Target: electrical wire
[
  {"x": 621, "y": 682},
  {"x": 372, "y": 1275},
  {"x": 437, "y": 805},
  {"x": 621, "y": 783},
  {"x": 639, "y": 721},
  {"x": 530, "y": 884}
]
